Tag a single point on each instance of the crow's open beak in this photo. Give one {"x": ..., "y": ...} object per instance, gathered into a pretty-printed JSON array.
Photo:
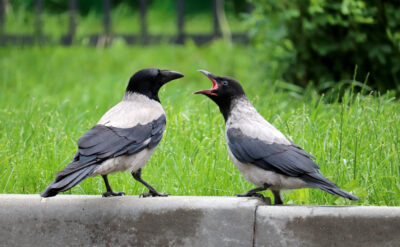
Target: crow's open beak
[{"x": 214, "y": 88}]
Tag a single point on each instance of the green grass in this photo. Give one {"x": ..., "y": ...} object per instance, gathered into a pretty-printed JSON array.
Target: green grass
[{"x": 50, "y": 96}]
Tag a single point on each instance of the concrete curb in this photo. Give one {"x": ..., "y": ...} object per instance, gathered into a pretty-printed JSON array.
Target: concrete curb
[{"x": 28, "y": 220}]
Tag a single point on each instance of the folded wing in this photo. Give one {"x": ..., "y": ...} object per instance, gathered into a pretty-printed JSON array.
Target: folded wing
[
  {"x": 285, "y": 159},
  {"x": 289, "y": 160},
  {"x": 103, "y": 142}
]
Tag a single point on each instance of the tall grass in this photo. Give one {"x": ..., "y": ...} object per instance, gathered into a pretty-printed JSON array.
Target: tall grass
[{"x": 50, "y": 96}]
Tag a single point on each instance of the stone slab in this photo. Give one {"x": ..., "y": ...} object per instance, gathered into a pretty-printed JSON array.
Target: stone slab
[
  {"x": 68, "y": 220},
  {"x": 327, "y": 226}
]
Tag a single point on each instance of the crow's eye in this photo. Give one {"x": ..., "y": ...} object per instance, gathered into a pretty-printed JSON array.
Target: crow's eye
[{"x": 225, "y": 83}]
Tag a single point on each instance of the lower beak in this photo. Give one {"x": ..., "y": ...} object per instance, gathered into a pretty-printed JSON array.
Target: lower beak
[{"x": 206, "y": 92}]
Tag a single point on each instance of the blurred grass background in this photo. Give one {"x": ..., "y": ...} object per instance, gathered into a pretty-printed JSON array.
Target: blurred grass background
[
  {"x": 161, "y": 18},
  {"x": 51, "y": 95}
]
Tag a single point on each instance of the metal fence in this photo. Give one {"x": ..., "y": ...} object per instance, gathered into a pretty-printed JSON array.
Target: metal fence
[{"x": 107, "y": 36}]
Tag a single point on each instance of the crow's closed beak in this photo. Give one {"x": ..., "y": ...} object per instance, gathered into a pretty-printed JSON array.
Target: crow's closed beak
[{"x": 168, "y": 75}]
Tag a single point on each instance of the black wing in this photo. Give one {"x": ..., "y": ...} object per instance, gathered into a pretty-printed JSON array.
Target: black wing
[
  {"x": 289, "y": 160},
  {"x": 103, "y": 142}
]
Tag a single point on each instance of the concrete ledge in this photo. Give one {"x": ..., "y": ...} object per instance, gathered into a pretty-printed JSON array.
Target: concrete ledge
[
  {"x": 327, "y": 226},
  {"x": 28, "y": 220}
]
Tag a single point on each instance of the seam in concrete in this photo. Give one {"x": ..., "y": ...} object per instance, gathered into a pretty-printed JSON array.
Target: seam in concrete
[{"x": 254, "y": 226}]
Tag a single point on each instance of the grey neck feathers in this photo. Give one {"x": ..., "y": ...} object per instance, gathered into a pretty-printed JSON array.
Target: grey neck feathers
[
  {"x": 241, "y": 108},
  {"x": 133, "y": 96}
]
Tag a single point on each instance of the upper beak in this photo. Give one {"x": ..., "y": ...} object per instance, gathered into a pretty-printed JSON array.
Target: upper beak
[
  {"x": 214, "y": 82},
  {"x": 205, "y": 72},
  {"x": 168, "y": 75}
]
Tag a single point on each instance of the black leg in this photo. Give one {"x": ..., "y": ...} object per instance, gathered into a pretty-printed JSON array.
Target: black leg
[
  {"x": 110, "y": 192},
  {"x": 253, "y": 192},
  {"x": 137, "y": 175},
  {"x": 277, "y": 196}
]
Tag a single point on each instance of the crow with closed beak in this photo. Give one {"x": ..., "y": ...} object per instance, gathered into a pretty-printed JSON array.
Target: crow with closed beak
[
  {"x": 123, "y": 139},
  {"x": 263, "y": 155}
]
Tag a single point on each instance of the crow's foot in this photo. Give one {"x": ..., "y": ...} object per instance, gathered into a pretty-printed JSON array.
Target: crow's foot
[
  {"x": 112, "y": 193},
  {"x": 250, "y": 195},
  {"x": 153, "y": 194},
  {"x": 266, "y": 200}
]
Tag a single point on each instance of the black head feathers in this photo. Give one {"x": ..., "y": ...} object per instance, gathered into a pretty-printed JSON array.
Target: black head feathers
[
  {"x": 149, "y": 81},
  {"x": 224, "y": 90}
]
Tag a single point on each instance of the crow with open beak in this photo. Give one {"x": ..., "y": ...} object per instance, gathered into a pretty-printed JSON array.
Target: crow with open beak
[
  {"x": 123, "y": 139},
  {"x": 262, "y": 153}
]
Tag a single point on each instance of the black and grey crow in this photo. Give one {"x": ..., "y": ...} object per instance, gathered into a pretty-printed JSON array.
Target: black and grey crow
[
  {"x": 123, "y": 139},
  {"x": 262, "y": 153}
]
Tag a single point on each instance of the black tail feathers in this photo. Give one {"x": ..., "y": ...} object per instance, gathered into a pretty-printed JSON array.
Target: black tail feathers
[
  {"x": 317, "y": 180},
  {"x": 64, "y": 183},
  {"x": 340, "y": 192}
]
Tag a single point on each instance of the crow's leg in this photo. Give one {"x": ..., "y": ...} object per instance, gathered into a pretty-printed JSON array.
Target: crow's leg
[
  {"x": 277, "y": 196},
  {"x": 110, "y": 192},
  {"x": 253, "y": 192},
  {"x": 137, "y": 175}
]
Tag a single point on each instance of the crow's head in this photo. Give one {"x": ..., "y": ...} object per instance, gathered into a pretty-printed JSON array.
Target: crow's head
[
  {"x": 149, "y": 81},
  {"x": 224, "y": 90}
]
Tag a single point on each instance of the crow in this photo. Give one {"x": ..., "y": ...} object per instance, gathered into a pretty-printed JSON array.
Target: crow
[
  {"x": 123, "y": 139},
  {"x": 263, "y": 155}
]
